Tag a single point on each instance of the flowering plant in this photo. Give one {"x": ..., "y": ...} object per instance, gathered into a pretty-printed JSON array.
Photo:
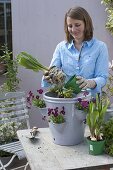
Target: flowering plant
[
  {"x": 83, "y": 104},
  {"x": 36, "y": 100},
  {"x": 95, "y": 117},
  {"x": 8, "y": 133},
  {"x": 56, "y": 116}
]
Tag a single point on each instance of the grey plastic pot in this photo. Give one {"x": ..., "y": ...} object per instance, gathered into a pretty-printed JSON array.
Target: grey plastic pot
[{"x": 73, "y": 133}]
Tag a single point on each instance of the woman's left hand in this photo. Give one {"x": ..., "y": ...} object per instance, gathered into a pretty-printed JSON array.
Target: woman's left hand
[{"x": 85, "y": 83}]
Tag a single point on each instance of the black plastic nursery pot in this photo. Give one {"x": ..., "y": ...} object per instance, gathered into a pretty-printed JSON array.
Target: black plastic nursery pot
[{"x": 96, "y": 147}]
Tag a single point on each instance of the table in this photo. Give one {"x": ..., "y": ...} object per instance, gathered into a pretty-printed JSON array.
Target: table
[{"x": 43, "y": 154}]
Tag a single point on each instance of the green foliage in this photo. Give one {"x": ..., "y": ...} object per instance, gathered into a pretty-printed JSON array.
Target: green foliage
[
  {"x": 59, "y": 119},
  {"x": 38, "y": 103},
  {"x": 109, "y": 23},
  {"x": 8, "y": 134},
  {"x": 61, "y": 92},
  {"x": 108, "y": 135},
  {"x": 109, "y": 9},
  {"x": 108, "y": 89},
  {"x": 107, "y": 2},
  {"x": 29, "y": 62},
  {"x": 55, "y": 75},
  {"x": 36, "y": 99},
  {"x": 12, "y": 81},
  {"x": 95, "y": 117}
]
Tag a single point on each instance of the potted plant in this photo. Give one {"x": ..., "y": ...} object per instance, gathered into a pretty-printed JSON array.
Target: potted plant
[
  {"x": 95, "y": 119},
  {"x": 37, "y": 101},
  {"x": 7, "y": 135},
  {"x": 57, "y": 123},
  {"x": 61, "y": 94},
  {"x": 82, "y": 106},
  {"x": 11, "y": 71}
]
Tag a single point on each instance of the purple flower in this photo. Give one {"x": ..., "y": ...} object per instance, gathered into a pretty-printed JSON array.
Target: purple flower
[
  {"x": 62, "y": 111},
  {"x": 37, "y": 96},
  {"x": 56, "y": 114},
  {"x": 28, "y": 98},
  {"x": 36, "y": 100},
  {"x": 30, "y": 92},
  {"x": 84, "y": 104},
  {"x": 44, "y": 118},
  {"x": 85, "y": 93},
  {"x": 50, "y": 111},
  {"x": 79, "y": 99},
  {"x": 40, "y": 91}
]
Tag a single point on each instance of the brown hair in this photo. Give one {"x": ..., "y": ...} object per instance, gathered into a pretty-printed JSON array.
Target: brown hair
[{"x": 79, "y": 13}]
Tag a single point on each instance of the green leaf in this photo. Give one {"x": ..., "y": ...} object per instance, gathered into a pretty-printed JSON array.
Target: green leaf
[{"x": 30, "y": 62}]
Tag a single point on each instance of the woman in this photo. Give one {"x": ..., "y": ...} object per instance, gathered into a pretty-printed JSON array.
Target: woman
[{"x": 81, "y": 54}]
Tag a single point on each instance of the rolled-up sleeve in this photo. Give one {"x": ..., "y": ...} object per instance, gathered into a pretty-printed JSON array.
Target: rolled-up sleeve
[{"x": 101, "y": 69}]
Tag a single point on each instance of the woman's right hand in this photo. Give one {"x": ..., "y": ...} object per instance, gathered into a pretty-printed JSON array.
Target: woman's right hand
[
  {"x": 47, "y": 77},
  {"x": 54, "y": 75}
]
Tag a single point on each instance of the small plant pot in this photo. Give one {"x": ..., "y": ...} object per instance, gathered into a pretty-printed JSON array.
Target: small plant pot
[
  {"x": 57, "y": 126},
  {"x": 71, "y": 84},
  {"x": 96, "y": 147}
]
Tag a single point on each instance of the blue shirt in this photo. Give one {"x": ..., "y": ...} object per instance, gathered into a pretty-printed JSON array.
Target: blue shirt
[{"x": 91, "y": 62}]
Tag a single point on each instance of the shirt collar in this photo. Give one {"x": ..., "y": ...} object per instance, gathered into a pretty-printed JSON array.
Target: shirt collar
[
  {"x": 69, "y": 45},
  {"x": 86, "y": 43},
  {"x": 89, "y": 43}
]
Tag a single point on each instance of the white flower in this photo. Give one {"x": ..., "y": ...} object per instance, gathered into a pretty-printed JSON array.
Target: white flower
[{"x": 8, "y": 130}]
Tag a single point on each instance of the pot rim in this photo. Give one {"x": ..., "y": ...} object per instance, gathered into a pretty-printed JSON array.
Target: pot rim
[
  {"x": 88, "y": 138},
  {"x": 72, "y": 100}
]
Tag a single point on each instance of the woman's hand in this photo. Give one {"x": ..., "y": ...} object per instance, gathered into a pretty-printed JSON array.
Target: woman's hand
[
  {"x": 54, "y": 75},
  {"x": 47, "y": 77},
  {"x": 85, "y": 83}
]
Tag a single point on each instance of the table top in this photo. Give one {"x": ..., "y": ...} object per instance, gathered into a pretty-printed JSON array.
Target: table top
[{"x": 43, "y": 154}]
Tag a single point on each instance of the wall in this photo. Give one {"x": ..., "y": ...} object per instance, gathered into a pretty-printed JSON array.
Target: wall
[{"x": 38, "y": 27}]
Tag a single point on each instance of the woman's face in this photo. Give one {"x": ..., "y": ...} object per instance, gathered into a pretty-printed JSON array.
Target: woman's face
[{"x": 76, "y": 28}]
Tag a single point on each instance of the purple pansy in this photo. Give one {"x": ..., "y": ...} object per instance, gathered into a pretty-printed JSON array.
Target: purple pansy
[
  {"x": 40, "y": 91},
  {"x": 36, "y": 100},
  {"x": 56, "y": 115}
]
